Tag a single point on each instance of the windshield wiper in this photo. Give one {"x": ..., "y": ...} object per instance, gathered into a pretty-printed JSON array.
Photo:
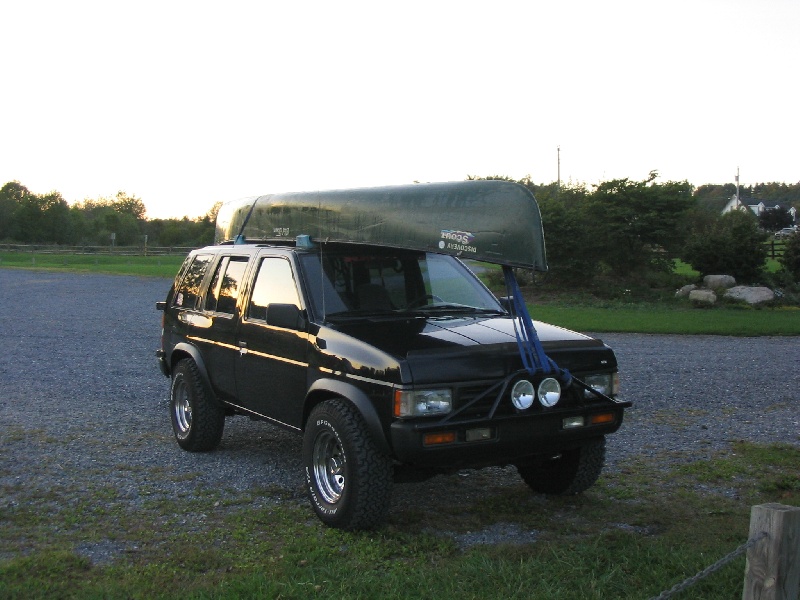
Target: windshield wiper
[
  {"x": 457, "y": 308},
  {"x": 355, "y": 315}
]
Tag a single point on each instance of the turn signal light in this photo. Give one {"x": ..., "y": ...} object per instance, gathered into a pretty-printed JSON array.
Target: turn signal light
[
  {"x": 601, "y": 418},
  {"x": 444, "y": 437}
]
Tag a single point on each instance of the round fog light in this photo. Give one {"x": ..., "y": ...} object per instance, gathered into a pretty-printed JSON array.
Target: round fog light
[
  {"x": 522, "y": 394},
  {"x": 549, "y": 392}
]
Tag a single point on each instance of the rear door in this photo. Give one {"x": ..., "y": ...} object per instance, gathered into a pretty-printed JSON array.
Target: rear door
[
  {"x": 272, "y": 362},
  {"x": 221, "y": 311}
]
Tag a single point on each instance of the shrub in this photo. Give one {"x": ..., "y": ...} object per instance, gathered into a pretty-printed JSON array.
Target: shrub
[
  {"x": 730, "y": 244},
  {"x": 791, "y": 256}
]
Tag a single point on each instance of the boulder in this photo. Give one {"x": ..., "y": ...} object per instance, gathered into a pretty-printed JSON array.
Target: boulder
[
  {"x": 751, "y": 295},
  {"x": 719, "y": 282},
  {"x": 702, "y": 296},
  {"x": 685, "y": 290}
]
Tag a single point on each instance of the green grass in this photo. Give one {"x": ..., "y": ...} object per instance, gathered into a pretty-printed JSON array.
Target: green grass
[
  {"x": 635, "y": 534},
  {"x": 147, "y": 266},
  {"x": 736, "y": 321}
]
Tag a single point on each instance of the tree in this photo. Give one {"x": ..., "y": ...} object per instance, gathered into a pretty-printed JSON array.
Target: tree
[
  {"x": 791, "y": 256},
  {"x": 640, "y": 222},
  {"x": 573, "y": 250},
  {"x": 11, "y": 196},
  {"x": 122, "y": 203},
  {"x": 55, "y": 222},
  {"x": 729, "y": 244},
  {"x": 774, "y": 219}
]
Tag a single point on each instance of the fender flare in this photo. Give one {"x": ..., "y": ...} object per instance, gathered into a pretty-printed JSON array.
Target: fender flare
[
  {"x": 194, "y": 354},
  {"x": 358, "y": 399}
]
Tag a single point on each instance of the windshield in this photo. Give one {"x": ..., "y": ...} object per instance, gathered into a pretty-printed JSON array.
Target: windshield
[{"x": 360, "y": 282}]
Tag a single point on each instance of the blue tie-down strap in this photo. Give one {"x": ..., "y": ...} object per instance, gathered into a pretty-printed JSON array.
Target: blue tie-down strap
[{"x": 534, "y": 359}]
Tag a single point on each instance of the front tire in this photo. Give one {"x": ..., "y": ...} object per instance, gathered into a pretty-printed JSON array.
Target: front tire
[
  {"x": 197, "y": 419},
  {"x": 349, "y": 479},
  {"x": 568, "y": 473}
]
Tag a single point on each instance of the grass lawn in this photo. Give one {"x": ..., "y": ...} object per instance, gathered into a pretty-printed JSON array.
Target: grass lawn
[
  {"x": 635, "y": 534},
  {"x": 735, "y": 321},
  {"x": 148, "y": 266}
]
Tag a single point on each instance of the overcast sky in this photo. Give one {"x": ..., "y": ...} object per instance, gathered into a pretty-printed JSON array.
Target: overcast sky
[{"x": 185, "y": 103}]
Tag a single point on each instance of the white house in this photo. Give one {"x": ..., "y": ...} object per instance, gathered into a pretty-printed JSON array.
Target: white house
[{"x": 737, "y": 204}]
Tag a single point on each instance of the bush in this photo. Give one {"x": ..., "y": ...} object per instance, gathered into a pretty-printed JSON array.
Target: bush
[
  {"x": 791, "y": 256},
  {"x": 730, "y": 244}
]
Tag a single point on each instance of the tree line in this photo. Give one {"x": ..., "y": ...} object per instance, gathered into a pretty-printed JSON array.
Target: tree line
[
  {"x": 619, "y": 229},
  {"x": 28, "y": 218},
  {"x": 626, "y": 229}
]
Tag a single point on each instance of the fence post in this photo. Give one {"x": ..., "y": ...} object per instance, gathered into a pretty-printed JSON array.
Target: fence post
[{"x": 773, "y": 564}]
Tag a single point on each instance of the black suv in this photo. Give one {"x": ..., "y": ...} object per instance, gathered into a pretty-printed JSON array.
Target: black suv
[{"x": 395, "y": 364}]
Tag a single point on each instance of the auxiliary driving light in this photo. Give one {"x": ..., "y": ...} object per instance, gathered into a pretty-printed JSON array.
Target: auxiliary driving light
[
  {"x": 522, "y": 394},
  {"x": 549, "y": 392}
]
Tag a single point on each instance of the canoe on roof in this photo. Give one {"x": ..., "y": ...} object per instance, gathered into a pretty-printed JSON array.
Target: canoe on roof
[{"x": 489, "y": 220}]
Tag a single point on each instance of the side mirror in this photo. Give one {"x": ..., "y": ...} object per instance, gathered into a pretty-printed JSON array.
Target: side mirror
[
  {"x": 506, "y": 303},
  {"x": 161, "y": 305},
  {"x": 286, "y": 316}
]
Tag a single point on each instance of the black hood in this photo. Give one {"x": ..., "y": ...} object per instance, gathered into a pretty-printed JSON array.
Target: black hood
[{"x": 459, "y": 348}]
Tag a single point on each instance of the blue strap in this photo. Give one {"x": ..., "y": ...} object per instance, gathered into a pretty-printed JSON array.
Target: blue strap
[{"x": 534, "y": 358}]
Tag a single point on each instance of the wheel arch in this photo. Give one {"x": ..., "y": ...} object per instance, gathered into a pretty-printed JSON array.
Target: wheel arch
[
  {"x": 327, "y": 389},
  {"x": 184, "y": 350}
]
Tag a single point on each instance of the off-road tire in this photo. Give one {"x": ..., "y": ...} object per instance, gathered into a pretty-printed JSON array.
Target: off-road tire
[
  {"x": 570, "y": 472},
  {"x": 197, "y": 419},
  {"x": 349, "y": 479}
]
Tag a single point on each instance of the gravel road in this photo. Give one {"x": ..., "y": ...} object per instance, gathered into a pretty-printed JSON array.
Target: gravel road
[{"x": 82, "y": 402}]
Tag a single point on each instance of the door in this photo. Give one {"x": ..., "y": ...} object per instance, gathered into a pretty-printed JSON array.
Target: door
[
  {"x": 221, "y": 312},
  {"x": 272, "y": 365}
]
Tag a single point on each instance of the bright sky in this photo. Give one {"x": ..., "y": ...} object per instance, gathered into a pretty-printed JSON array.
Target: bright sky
[{"x": 185, "y": 103}]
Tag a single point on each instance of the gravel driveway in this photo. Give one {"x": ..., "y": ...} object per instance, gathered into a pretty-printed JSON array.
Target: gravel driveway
[{"x": 83, "y": 402}]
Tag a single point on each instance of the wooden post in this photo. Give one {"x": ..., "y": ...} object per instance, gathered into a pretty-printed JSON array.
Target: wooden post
[{"x": 773, "y": 564}]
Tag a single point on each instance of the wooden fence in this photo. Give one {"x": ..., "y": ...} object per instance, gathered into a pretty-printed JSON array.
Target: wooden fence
[
  {"x": 98, "y": 250},
  {"x": 775, "y": 248},
  {"x": 773, "y": 564}
]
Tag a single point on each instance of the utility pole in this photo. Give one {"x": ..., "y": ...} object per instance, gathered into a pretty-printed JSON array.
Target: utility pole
[
  {"x": 558, "y": 188},
  {"x": 738, "y": 202}
]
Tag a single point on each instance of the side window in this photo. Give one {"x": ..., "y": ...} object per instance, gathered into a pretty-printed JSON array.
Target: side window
[
  {"x": 187, "y": 294},
  {"x": 224, "y": 289},
  {"x": 274, "y": 285}
]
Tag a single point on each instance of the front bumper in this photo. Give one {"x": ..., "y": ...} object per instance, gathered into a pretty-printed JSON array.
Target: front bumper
[{"x": 500, "y": 440}]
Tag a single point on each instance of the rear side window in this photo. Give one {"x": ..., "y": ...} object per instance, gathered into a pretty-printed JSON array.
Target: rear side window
[
  {"x": 188, "y": 293},
  {"x": 274, "y": 285},
  {"x": 223, "y": 293}
]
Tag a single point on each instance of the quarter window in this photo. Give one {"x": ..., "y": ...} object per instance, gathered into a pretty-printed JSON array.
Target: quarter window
[
  {"x": 187, "y": 294},
  {"x": 223, "y": 292}
]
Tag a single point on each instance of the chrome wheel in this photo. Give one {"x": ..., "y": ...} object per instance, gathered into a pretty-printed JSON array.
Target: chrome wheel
[
  {"x": 198, "y": 419},
  {"x": 182, "y": 407},
  {"x": 328, "y": 464}
]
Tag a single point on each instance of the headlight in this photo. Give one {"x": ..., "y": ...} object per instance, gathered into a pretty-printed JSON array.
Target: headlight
[
  {"x": 549, "y": 392},
  {"x": 522, "y": 394},
  {"x": 607, "y": 384},
  {"x": 420, "y": 403}
]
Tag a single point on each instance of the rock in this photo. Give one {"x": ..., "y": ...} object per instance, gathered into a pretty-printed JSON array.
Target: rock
[
  {"x": 719, "y": 282},
  {"x": 703, "y": 296},
  {"x": 751, "y": 295},
  {"x": 685, "y": 290}
]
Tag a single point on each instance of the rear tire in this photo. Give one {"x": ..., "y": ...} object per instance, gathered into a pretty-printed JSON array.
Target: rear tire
[
  {"x": 197, "y": 419},
  {"x": 568, "y": 473},
  {"x": 349, "y": 479}
]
